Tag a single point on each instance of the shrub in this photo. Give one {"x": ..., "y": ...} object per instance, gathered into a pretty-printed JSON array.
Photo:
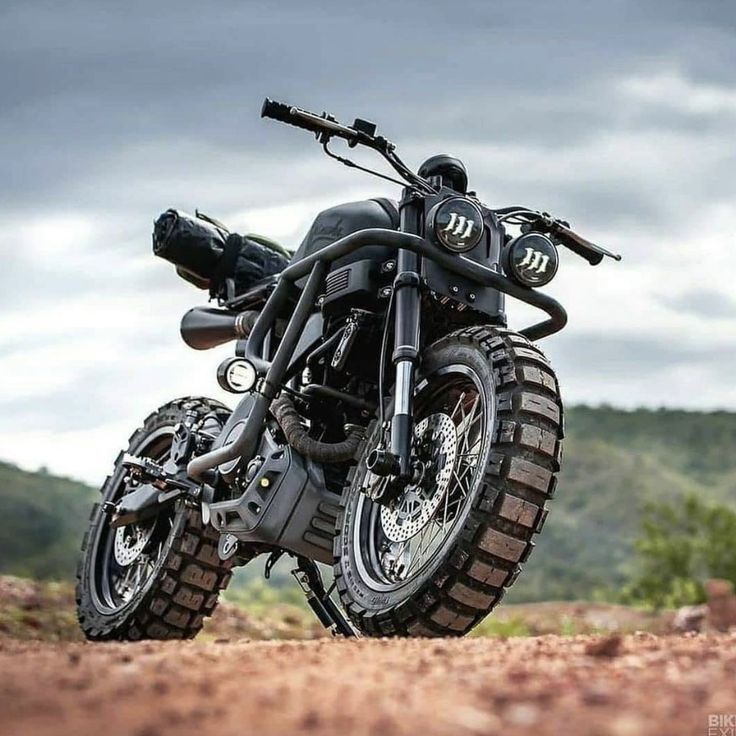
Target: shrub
[{"x": 682, "y": 544}]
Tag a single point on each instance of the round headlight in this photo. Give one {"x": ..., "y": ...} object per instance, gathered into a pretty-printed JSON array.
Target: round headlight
[
  {"x": 531, "y": 259},
  {"x": 236, "y": 375},
  {"x": 457, "y": 224}
]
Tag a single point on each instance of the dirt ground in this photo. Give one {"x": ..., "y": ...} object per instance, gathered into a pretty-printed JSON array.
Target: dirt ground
[{"x": 623, "y": 686}]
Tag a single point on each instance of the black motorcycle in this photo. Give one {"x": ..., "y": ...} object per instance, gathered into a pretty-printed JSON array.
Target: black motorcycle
[{"x": 390, "y": 425}]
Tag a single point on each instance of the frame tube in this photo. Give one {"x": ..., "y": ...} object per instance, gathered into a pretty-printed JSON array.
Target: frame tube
[
  {"x": 316, "y": 266},
  {"x": 246, "y": 442}
]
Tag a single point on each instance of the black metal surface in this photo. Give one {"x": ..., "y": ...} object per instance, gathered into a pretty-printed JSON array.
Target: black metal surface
[
  {"x": 284, "y": 503},
  {"x": 275, "y": 371},
  {"x": 333, "y": 394},
  {"x": 140, "y": 504},
  {"x": 316, "y": 265},
  {"x": 476, "y": 272},
  {"x": 203, "y": 328},
  {"x": 406, "y": 342}
]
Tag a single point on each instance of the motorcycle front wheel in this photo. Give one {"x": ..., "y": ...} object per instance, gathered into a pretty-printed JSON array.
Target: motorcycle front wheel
[{"x": 437, "y": 557}]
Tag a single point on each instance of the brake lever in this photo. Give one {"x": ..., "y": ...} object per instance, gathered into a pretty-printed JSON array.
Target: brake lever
[{"x": 592, "y": 253}]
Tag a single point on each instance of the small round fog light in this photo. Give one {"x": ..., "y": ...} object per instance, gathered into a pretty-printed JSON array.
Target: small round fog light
[
  {"x": 236, "y": 375},
  {"x": 530, "y": 260}
]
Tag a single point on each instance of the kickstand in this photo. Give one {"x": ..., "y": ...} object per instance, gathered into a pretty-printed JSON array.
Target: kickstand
[
  {"x": 273, "y": 558},
  {"x": 308, "y": 576}
]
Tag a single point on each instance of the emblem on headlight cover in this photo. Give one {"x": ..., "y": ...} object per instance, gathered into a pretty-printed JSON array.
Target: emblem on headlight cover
[
  {"x": 531, "y": 259},
  {"x": 457, "y": 223}
]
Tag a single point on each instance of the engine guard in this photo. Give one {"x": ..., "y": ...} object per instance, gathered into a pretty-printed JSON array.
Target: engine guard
[{"x": 285, "y": 504}]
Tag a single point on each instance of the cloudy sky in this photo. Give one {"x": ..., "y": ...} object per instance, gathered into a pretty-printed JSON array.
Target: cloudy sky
[{"x": 618, "y": 116}]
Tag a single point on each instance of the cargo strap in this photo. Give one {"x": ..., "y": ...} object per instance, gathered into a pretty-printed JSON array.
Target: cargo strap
[{"x": 226, "y": 265}]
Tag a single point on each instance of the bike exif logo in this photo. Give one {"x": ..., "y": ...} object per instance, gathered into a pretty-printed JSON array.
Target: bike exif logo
[
  {"x": 721, "y": 724},
  {"x": 534, "y": 260},
  {"x": 460, "y": 226}
]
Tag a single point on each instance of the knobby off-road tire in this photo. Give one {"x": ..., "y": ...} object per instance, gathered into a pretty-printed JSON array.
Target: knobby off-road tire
[
  {"x": 493, "y": 535},
  {"x": 187, "y": 576}
]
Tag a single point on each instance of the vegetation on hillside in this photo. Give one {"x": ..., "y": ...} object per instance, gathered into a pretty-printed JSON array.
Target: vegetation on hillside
[
  {"x": 42, "y": 520},
  {"x": 615, "y": 463},
  {"x": 683, "y": 543}
]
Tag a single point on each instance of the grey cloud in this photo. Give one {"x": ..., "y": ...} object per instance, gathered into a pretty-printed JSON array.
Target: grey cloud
[
  {"x": 703, "y": 303},
  {"x": 636, "y": 358},
  {"x": 84, "y": 79},
  {"x": 113, "y": 112},
  {"x": 126, "y": 109}
]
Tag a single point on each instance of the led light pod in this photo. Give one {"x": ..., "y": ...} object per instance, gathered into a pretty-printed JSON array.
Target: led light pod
[
  {"x": 530, "y": 260},
  {"x": 236, "y": 375},
  {"x": 457, "y": 224}
]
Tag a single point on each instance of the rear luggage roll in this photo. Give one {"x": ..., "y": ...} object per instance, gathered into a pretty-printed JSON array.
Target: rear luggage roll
[{"x": 207, "y": 255}]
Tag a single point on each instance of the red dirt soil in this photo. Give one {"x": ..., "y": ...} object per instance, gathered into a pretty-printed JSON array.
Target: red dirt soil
[{"x": 622, "y": 686}]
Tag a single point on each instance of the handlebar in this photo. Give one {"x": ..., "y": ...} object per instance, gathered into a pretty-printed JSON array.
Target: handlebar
[
  {"x": 361, "y": 132},
  {"x": 318, "y": 124},
  {"x": 544, "y": 223}
]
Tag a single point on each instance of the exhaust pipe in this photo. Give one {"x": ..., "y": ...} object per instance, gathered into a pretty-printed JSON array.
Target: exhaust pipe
[{"x": 203, "y": 328}]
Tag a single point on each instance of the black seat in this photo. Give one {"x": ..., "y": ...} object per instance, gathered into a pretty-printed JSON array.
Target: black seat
[{"x": 337, "y": 222}]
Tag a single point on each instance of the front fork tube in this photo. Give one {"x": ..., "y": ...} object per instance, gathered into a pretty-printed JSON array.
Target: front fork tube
[
  {"x": 405, "y": 359},
  {"x": 406, "y": 342},
  {"x": 393, "y": 458}
]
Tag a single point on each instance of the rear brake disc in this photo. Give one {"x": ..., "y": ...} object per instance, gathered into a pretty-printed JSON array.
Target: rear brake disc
[{"x": 130, "y": 541}]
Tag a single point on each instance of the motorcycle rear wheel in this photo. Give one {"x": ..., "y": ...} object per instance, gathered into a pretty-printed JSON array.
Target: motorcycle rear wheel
[
  {"x": 174, "y": 575},
  {"x": 441, "y": 558}
]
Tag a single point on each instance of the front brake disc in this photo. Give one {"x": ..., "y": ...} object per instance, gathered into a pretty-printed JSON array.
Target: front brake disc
[{"x": 417, "y": 504}]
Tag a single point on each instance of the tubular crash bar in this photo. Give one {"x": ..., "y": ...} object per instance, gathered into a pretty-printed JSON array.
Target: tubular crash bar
[
  {"x": 456, "y": 264},
  {"x": 316, "y": 266}
]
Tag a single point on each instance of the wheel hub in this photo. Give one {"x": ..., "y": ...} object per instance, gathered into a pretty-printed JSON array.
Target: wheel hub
[
  {"x": 396, "y": 561},
  {"x": 436, "y": 447}
]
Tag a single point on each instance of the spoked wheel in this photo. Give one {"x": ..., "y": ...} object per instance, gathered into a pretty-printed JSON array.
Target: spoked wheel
[
  {"x": 157, "y": 579},
  {"x": 436, "y": 558},
  {"x": 123, "y": 559},
  {"x": 397, "y": 541}
]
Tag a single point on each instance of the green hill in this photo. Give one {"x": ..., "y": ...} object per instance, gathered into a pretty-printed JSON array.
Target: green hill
[
  {"x": 42, "y": 520},
  {"x": 614, "y": 461}
]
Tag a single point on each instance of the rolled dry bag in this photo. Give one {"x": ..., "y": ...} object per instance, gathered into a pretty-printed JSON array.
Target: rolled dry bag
[
  {"x": 210, "y": 257},
  {"x": 193, "y": 244}
]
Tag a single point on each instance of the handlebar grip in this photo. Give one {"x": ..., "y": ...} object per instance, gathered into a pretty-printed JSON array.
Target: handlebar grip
[
  {"x": 284, "y": 114},
  {"x": 577, "y": 244},
  {"x": 306, "y": 120},
  {"x": 275, "y": 110}
]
